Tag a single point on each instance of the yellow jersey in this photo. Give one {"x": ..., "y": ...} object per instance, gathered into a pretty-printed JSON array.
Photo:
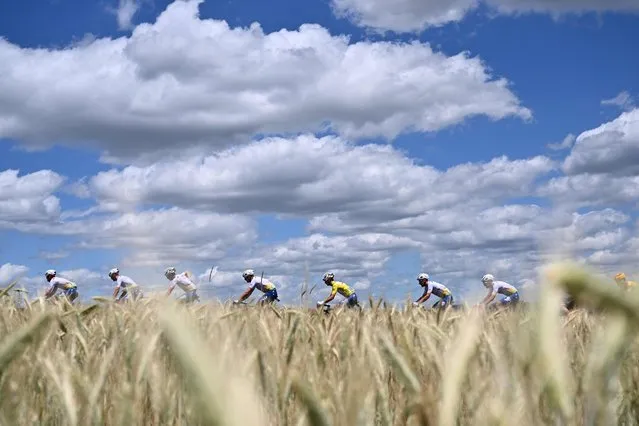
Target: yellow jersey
[{"x": 341, "y": 288}]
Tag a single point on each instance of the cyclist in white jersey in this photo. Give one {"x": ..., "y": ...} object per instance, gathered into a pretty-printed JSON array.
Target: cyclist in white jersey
[
  {"x": 433, "y": 287},
  {"x": 501, "y": 287},
  {"x": 261, "y": 284},
  {"x": 69, "y": 288},
  {"x": 184, "y": 282},
  {"x": 125, "y": 286}
]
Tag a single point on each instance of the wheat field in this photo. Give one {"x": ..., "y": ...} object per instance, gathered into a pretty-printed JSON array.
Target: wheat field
[{"x": 156, "y": 363}]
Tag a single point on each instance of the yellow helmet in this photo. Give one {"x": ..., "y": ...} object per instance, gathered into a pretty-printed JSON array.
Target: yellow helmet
[{"x": 620, "y": 276}]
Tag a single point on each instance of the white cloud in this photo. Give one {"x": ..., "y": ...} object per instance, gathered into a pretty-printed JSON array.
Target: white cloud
[
  {"x": 168, "y": 236},
  {"x": 315, "y": 176},
  {"x": 623, "y": 100},
  {"x": 591, "y": 190},
  {"x": 184, "y": 81},
  {"x": 566, "y": 143},
  {"x": 10, "y": 272},
  {"x": 611, "y": 148},
  {"x": 416, "y": 15},
  {"x": 125, "y": 12},
  {"x": 28, "y": 198},
  {"x": 403, "y": 15}
]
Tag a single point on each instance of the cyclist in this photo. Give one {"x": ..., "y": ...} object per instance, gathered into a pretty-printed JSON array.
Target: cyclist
[
  {"x": 127, "y": 286},
  {"x": 624, "y": 283},
  {"x": 432, "y": 287},
  {"x": 69, "y": 288},
  {"x": 350, "y": 297},
  {"x": 262, "y": 284},
  {"x": 501, "y": 287},
  {"x": 183, "y": 281}
]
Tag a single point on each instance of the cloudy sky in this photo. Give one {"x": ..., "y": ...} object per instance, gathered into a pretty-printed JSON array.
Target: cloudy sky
[{"x": 373, "y": 138}]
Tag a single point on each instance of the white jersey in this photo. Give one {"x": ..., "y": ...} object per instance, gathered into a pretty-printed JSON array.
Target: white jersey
[
  {"x": 60, "y": 283},
  {"x": 184, "y": 282},
  {"x": 125, "y": 282},
  {"x": 439, "y": 290},
  {"x": 504, "y": 288},
  {"x": 262, "y": 284}
]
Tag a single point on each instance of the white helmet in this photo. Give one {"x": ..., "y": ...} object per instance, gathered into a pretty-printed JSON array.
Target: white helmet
[
  {"x": 248, "y": 273},
  {"x": 422, "y": 276},
  {"x": 50, "y": 273},
  {"x": 487, "y": 278},
  {"x": 169, "y": 272},
  {"x": 113, "y": 272},
  {"x": 328, "y": 276}
]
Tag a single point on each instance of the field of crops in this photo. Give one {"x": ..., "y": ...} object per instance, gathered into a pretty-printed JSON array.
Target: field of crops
[{"x": 153, "y": 364}]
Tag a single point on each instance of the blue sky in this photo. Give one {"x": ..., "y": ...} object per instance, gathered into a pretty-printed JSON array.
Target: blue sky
[{"x": 103, "y": 115}]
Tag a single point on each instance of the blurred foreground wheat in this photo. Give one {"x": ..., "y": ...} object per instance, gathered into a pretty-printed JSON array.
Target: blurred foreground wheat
[{"x": 155, "y": 364}]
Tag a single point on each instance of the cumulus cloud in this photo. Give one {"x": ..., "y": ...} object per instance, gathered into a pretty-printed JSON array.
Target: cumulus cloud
[
  {"x": 10, "y": 272},
  {"x": 313, "y": 176},
  {"x": 167, "y": 236},
  {"x": 591, "y": 190},
  {"x": 28, "y": 198},
  {"x": 185, "y": 81},
  {"x": 611, "y": 148},
  {"x": 416, "y": 15},
  {"x": 602, "y": 167}
]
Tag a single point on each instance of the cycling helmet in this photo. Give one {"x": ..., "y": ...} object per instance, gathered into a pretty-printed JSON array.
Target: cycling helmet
[
  {"x": 422, "y": 276},
  {"x": 170, "y": 272},
  {"x": 50, "y": 273},
  {"x": 113, "y": 272},
  {"x": 488, "y": 278},
  {"x": 620, "y": 276},
  {"x": 328, "y": 277},
  {"x": 248, "y": 273}
]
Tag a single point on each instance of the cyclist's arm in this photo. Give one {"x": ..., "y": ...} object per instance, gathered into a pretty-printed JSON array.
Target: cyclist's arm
[
  {"x": 170, "y": 290},
  {"x": 424, "y": 297},
  {"x": 331, "y": 296},
  {"x": 247, "y": 293},
  {"x": 489, "y": 297},
  {"x": 50, "y": 291},
  {"x": 116, "y": 290}
]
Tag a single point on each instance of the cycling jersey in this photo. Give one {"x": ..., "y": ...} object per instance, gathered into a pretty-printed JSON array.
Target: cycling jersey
[
  {"x": 61, "y": 283},
  {"x": 341, "y": 288},
  {"x": 439, "y": 290},
  {"x": 184, "y": 282},
  {"x": 504, "y": 288},
  {"x": 125, "y": 282},
  {"x": 261, "y": 284}
]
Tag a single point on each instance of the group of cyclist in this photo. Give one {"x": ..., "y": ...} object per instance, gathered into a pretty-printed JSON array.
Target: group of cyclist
[{"x": 127, "y": 289}]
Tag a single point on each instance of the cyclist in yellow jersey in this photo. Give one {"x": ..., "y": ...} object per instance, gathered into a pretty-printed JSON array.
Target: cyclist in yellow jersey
[
  {"x": 350, "y": 297},
  {"x": 624, "y": 283}
]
